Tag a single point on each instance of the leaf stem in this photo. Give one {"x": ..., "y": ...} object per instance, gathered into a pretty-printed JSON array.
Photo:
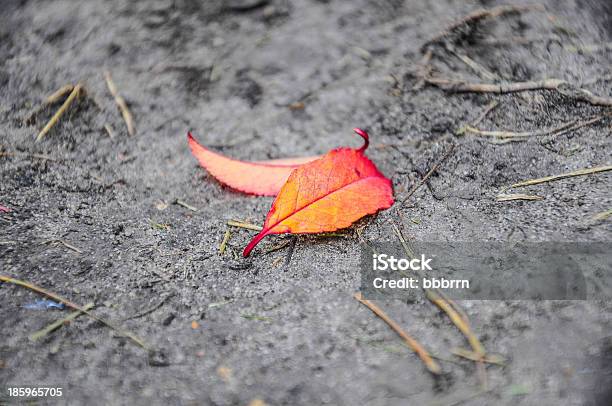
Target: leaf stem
[{"x": 365, "y": 137}]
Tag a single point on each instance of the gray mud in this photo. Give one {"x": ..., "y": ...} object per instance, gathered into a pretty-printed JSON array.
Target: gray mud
[{"x": 286, "y": 333}]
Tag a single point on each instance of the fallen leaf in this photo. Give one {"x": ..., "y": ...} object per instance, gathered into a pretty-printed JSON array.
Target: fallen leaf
[
  {"x": 328, "y": 194},
  {"x": 4, "y": 209},
  {"x": 263, "y": 178}
]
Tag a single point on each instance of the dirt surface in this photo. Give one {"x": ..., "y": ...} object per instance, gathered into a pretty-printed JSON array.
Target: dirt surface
[{"x": 278, "y": 327}]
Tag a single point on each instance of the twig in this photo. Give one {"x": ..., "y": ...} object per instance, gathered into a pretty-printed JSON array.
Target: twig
[
  {"x": 428, "y": 174},
  {"x": 525, "y": 134},
  {"x": 462, "y": 325},
  {"x": 151, "y": 309},
  {"x": 121, "y": 103},
  {"x": 583, "y": 124},
  {"x": 64, "y": 243},
  {"x": 242, "y": 224},
  {"x": 492, "y": 106},
  {"x": 226, "y": 238},
  {"x": 185, "y": 205},
  {"x": 555, "y": 131},
  {"x": 59, "y": 323},
  {"x": 414, "y": 345},
  {"x": 502, "y": 197},
  {"x": 475, "y": 17},
  {"x": 60, "y": 112},
  {"x": 563, "y": 87},
  {"x": 74, "y": 306},
  {"x": 580, "y": 172}
]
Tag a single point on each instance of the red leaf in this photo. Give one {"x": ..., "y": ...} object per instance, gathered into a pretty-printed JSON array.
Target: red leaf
[
  {"x": 258, "y": 178},
  {"x": 328, "y": 194},
  {"x": 4, "y": 209}
]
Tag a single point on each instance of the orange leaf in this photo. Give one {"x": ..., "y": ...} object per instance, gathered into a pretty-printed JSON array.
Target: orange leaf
[
  {"x": 328, "y": 194},
  {"x": 258, "y": 178}
]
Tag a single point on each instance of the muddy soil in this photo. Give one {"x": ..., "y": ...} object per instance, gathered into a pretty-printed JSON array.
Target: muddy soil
[{"x": 283, "y": 327}]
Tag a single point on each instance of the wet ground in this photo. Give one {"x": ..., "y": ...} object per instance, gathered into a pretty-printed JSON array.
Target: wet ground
[{"x": 267, "y": 79}]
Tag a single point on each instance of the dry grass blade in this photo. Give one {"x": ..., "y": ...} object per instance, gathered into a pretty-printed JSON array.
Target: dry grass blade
[
  {"x": 186, "y": 205},
  {"x": 59, "y": 323},
  {"x": 58, "y": 94},
  {"x": 458, "y": 321},
  {"x": 121, "y": 103},
  {"x": 65, "y": 244},
  {"x": 414, "y": 345},
  {"x": 74, "y": 306},
  {"x": 516, "y": 196},
  {"x": 109, "y": 131},
  {"x": 403, "y": 241},
  {"x": 226, "y": 238},
  {"x": 52, "y": 98},
  {"x": 242, "y": 224},
  {"x": 580, "y": 172},
  {"x": 60, "y": 112},
  {"x": 472, "y": 356}
]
